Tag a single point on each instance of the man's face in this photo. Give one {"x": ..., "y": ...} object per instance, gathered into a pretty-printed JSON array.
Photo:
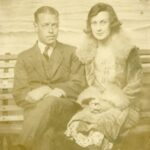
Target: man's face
[
  {"x": 100, "y": 26},
  {"x": 47, "y": 28}
]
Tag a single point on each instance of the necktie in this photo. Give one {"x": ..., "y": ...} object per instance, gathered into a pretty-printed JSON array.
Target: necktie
[{"x": 45, "y": 53}]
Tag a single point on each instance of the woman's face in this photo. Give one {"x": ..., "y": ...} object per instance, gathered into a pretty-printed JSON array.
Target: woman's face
[{"x": 100, "y": 26}]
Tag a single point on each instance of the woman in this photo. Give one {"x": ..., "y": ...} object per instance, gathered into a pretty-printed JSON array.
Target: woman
[{"x": 113, "y": 73}]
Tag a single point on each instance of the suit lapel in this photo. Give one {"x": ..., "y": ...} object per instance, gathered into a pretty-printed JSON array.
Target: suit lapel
[
  {"x": 55, "y": 59},
  {"x": 37, "y": 61},
  {"x": 44, "y": 69}
]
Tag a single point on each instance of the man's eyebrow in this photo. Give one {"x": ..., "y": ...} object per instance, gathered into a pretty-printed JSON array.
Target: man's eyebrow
[{"x": 103, "y": 20}]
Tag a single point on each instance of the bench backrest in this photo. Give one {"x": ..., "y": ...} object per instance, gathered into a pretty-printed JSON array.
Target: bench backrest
[
  {"x": 10, "y": 112},
  {"x": 145, "y": 101},
  {"x": 11, "y": 116},
  {"x": 145, "y": 59}
]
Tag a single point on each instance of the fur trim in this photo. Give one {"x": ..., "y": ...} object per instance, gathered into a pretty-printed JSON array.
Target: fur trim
[
  {"x": 119, "y": 42},
  {"x": 86, "y": 50}
]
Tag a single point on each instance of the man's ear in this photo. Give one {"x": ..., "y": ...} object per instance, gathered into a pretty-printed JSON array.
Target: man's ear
[{"x": 35, "y": 26}]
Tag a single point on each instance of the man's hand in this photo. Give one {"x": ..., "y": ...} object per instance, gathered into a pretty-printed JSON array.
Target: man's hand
[
  {"x": 57, "y": 93},
  {"x": 38, "y": 93}
]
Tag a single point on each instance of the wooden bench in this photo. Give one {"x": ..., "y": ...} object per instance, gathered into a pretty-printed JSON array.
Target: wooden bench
[
  {"x": 145, "y": 101},
  {"x": 138, "y": 138},
  {"x": 11, "y": 116}
]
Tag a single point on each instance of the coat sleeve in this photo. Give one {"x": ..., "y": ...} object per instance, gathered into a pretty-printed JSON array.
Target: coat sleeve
[
  {"x": 21, "y": 84},
  {"x": 76, "y": 81},
  {"x": 134, "y": 76}
]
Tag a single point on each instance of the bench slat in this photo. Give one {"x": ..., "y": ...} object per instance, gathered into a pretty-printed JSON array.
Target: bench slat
[
  {"x": 145, "y": 58},
  {"x": 6, "y": 96},
  {"x": 145, "y": 114},
  {"x": 146, "y": 80},
  {"x": 8, "y": 108},
  {"x": 8, "y": 57},
  {"x": 10, "y": 127},
  {"x": 146, "y": 67},
  {"x": 4, "y": 66},
  {"x": 11, "y": 118},
  {"x": 5, "y": 90},
  {"x": 7, "y": 75},
  {"x": 10, "y": 130},
  {"x": 6, "y": 86},
  {"x": 141, "y": 128},
  {"x": 144, "y": 51}
]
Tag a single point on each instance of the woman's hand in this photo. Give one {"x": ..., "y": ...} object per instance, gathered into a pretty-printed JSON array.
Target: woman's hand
[{"x": 99, "y": 105}]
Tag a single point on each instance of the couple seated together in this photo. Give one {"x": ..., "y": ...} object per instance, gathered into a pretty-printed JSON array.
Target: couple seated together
[{"x": 88, "y": 93}]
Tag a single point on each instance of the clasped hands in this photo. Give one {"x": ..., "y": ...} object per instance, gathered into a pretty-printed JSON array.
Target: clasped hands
[
  {"x": 43, "y": 91},
  {"x": 97, "y": 105}
]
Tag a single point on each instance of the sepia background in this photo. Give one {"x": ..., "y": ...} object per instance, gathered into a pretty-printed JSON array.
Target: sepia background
[
  {"x": 17, "y": 33},
  {"x": 16, "y": 21}
]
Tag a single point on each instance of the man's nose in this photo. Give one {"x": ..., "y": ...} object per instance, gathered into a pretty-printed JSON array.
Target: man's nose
[{"x": 50, "y": 29}]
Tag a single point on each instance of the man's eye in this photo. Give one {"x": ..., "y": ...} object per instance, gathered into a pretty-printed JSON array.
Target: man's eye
[
  {"x": 55, "y": 25},
  {"x": 94, "y": 23},
  {"x": 44, "y": 25}
]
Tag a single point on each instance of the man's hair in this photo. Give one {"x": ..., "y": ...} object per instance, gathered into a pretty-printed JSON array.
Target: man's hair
[
  {"x": 114, "y": 21},
  {"x": 45, "y": 9}
]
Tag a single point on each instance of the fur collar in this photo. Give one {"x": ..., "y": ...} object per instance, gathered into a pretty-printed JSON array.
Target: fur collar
[{"x": 119, "y": 43}]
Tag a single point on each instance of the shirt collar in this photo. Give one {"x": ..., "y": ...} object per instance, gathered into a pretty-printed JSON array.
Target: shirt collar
[{"x": 41, "y": 46}]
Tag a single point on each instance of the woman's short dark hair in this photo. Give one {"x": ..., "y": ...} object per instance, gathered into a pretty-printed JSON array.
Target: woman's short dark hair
[
  {"x": 45, "y": 9},
  {"x": 114, "y": 21}
]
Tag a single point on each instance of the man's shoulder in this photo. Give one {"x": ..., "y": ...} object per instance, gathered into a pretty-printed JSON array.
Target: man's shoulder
[
  {"x": 66, "y": 47},
  {"x": 26, "y": 53}
]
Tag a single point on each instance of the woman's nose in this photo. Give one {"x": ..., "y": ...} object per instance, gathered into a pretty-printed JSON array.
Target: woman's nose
[{"x": 98, "y": 27}]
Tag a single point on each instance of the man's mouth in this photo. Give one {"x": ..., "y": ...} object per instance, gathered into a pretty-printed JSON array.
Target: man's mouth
[
  {"x": 50, "y": 36},
  {"x": 100, "y": 34}
]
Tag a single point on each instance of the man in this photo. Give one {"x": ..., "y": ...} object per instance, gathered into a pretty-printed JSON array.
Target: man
[{"x": 48, "y": 79}]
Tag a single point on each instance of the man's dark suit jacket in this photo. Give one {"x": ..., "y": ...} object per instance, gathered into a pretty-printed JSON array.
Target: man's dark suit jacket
[{"x": 62, "y": 71}]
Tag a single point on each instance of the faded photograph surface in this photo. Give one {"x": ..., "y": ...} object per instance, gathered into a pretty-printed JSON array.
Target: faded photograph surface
[{"x": 74, "y": 75}]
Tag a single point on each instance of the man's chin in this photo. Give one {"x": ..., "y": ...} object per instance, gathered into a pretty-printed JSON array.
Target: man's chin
[{"x": 51, "y": 42}]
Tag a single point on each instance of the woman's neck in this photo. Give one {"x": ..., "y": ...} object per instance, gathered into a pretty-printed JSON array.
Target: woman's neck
[{"x": 105, "y": 42}]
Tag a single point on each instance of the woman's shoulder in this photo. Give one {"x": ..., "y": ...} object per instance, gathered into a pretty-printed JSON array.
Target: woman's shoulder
[
  {"x": 86, "y": 49},
  {"x": 122, "y": 43}
]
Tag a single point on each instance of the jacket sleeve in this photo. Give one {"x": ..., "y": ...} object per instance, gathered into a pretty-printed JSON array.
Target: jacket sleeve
[
  {"x": 134, "y": 76},
  {"x": 76, "y": 81},
  {"x": 21, "y": 84}
]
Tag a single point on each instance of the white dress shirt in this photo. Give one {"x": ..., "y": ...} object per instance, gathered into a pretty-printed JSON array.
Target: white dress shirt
[{"x": 42, "y": 47}]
